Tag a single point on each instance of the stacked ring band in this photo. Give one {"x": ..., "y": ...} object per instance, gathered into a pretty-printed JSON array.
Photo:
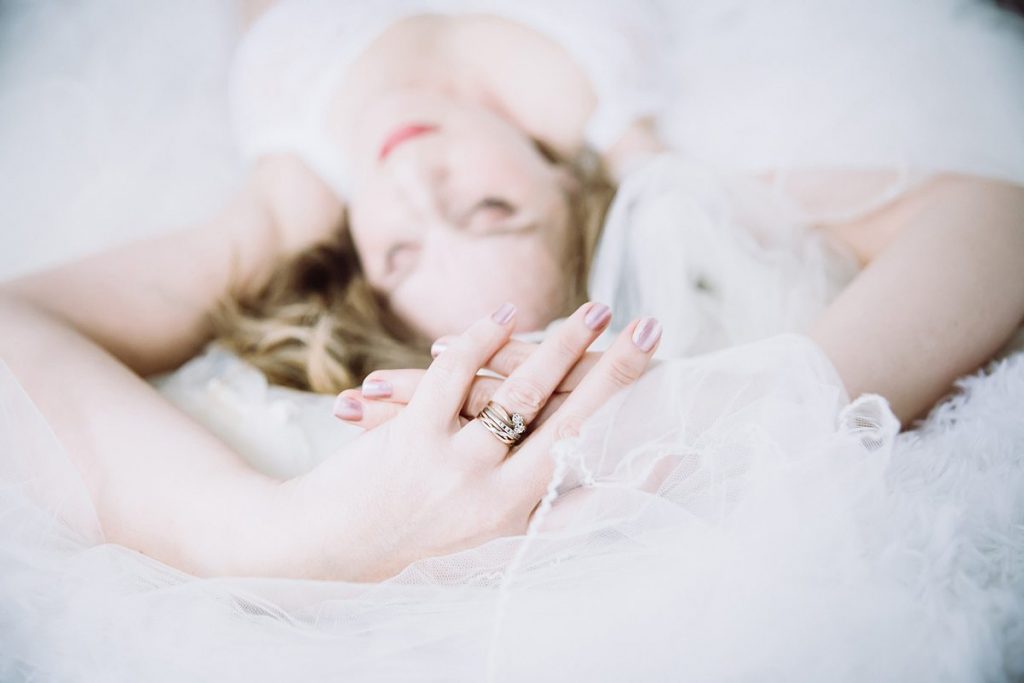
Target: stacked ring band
[{"x": 509, "y": 428}]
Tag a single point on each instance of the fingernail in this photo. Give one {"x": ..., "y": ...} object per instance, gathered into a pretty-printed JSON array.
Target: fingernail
[
  {"x": 598, "y": 316},
  {"x": 504, "y": 313},
  {"x": 347, "y": 408},
  {"x": 437, "y": 347},
  {"x": 646, "y": 334},
  {"x": 377, "y": 388}
]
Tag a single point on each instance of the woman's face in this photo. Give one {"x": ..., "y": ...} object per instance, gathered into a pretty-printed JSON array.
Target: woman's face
[{"x": 455, "y": 214}]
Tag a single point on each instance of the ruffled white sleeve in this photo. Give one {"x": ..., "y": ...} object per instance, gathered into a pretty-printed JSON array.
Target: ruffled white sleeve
[
  {"x": 628, "y": 66},
  {"x": 279, "y": 84}
]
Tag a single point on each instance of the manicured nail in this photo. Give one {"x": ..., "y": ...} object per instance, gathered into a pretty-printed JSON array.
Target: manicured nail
[
  {"x": 377, "y": 388},
  {"x": 646, "y": 334},
  {"x": 598, "y": 316},
  {"x": 347, "y": 408},
  {"x": 437, "y": 347},
  {"x": 504, "y": 313}
]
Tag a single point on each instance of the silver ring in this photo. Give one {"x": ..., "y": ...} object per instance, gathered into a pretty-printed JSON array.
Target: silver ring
[{"x": 509, "y": 428}]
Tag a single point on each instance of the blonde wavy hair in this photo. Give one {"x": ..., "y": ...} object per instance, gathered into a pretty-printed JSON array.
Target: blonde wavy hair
[{"x": 316, "y": 323}]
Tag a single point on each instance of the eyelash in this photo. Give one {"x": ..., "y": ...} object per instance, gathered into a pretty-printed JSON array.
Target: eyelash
[
  {"x": 497, "y": 203},
  {"x": 389, "y": 259}
]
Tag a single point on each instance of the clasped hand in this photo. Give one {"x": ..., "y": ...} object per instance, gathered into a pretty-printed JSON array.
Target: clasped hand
[{"x": 425, "y": 479}]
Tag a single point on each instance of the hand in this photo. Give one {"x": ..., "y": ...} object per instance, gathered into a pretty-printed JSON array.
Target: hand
[
  {"x": 385, "y": 393},
  {"x": 426, "y": 483}
]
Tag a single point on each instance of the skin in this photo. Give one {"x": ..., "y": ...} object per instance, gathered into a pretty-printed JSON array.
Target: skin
[
  {"x": 460, "y": 209},
  {"x": 139, "y": 459},
  {"x": 939, "y": 293},
  {"x": 465, "y": 207}
]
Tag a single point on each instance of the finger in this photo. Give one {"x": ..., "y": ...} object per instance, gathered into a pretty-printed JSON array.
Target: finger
[
  {"x": 479, "y": 394},
  {"x": 514, "y": 353},
  {"x": 392, "y": 386},
  {"x": 352, "y": 407},
  {"x": 528, "y": 388},
  {"x": 442, "y": 389},
  {"x": 483, "y": 390},
  {"x": 619, "y": 367},
  {"x": 399, "y": 386},
  {"x": 550, "y": 408}
]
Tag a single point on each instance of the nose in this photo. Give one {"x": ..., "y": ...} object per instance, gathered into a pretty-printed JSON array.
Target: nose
[
  {"x": 422, "y": 223},
  {"x": 420, "y": 183}
]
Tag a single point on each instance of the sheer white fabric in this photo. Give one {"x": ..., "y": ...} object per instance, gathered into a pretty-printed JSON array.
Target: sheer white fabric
[
  {"x": 295, "y": 56},
  {"x": 732, "y": 517},
  {"x": 733, "y": 513},
  {"x": 727, "y": 517},
  {"x": 718, "y": 257}
]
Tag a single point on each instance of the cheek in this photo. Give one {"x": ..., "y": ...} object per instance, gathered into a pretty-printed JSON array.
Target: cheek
[
  {"x": 372, "y": 220},
  {"x": 440, "y": 300}
]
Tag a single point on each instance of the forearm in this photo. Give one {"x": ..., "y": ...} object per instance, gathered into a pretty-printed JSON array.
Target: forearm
[
  {"x": 160, "y": 483},
  {"x": 940, "y": 300},
  {"x": 148, "y": 302}
]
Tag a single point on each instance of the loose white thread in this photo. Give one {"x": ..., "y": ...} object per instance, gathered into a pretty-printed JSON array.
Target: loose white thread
[{"x": 546, "y": 502}]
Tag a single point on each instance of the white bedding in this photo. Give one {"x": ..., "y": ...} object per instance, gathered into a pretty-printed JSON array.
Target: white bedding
[
  {"x": 790, "y": 542},
  {"x": 733, "y": 517}
]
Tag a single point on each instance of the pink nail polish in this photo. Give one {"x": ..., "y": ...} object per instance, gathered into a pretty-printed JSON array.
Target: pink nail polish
[
  {"x": 437, "y": 348},
  {"x": 598, "y": 316},
  {"x": 504, "y": 313},
  {"x": 348, "y": 408},
  {"x": 646, "y": 334},
  {"x": 377, "y": 388}
]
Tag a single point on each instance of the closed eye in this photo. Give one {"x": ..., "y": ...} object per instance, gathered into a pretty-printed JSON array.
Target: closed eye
[
  {"x": 497, "y": 204},
  {"x": 489, "y": 214},
  {"x": 394, "y": 255}
]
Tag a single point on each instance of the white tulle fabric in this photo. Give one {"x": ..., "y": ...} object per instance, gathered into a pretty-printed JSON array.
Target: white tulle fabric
[
  {"x": 734, "y": 516},
  {"x": 718, "y": 257},
  {"x": 730, "y": 516}
]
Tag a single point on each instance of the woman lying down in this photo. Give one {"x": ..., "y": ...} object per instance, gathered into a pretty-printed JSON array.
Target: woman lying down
[{"x": 522, "y": 504}]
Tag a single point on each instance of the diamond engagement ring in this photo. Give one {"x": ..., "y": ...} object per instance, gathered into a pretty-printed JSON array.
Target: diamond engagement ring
[{"x": 508, "y": 427}]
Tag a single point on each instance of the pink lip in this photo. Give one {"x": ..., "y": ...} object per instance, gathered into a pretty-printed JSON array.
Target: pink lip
[{"x": 401, "y": 134}]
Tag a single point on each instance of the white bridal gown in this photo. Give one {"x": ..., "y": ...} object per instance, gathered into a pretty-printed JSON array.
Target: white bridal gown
[{"x": 737, "y": 517}]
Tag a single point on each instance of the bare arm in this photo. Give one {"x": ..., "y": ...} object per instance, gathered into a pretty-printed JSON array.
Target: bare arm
[
  {"x": 943, "y": 290},
  {"x": 77, "y": 337},
  {"x": 164, "y": 486},
  {"x": 146, "y": 302}
]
